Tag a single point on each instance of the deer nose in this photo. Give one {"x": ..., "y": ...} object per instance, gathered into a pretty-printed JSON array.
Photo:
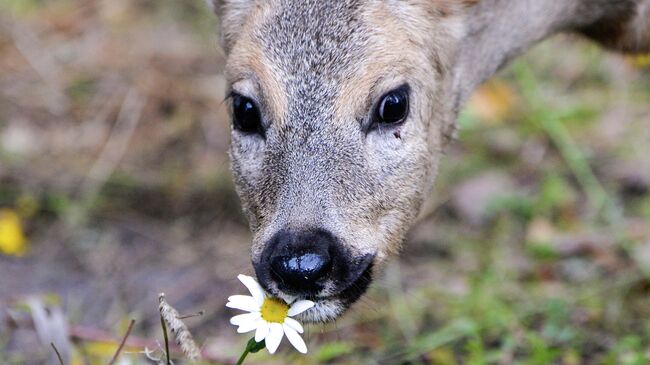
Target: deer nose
[
  {"x": 301, "y": 271},
  {"x": 298, "y": 263}
]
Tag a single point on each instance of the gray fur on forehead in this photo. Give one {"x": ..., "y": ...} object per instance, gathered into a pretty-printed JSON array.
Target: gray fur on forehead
[{"x": 313, "y": 43}]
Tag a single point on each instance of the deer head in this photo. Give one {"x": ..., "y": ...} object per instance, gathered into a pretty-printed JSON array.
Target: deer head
[{"x": 341, "y": 112}]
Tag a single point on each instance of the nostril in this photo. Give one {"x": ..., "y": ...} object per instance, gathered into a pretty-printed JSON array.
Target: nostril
[{"x": 301, "y": 272}]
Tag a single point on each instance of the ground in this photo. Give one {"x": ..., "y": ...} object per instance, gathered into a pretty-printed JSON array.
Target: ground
[{"x": 535, "y": 248}]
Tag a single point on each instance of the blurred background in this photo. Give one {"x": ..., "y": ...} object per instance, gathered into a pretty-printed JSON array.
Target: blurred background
[{"x": 115, "y": 186}]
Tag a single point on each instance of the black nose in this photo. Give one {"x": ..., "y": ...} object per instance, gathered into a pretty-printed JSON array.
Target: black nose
[
  {"x": 302, "y": 270},
  {"x": 298, "y": 262}
]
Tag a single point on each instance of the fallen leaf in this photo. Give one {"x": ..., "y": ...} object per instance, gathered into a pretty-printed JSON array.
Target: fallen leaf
[
  {"x": 51, "y": 326},
  {"x": 640, "y": 61},
  {"x": 492, "y": 102},
  {"x": 540, "y": 232},
  {"x": 100, "y": 349},
  {"x": 12, "y": 238}
]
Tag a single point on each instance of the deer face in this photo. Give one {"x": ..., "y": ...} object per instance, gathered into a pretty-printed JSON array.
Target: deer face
[{"x": 339, "y": 117}]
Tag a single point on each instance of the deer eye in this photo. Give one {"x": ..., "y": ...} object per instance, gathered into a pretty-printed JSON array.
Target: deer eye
[
  {"x": 246, "y": 115},
  {"x": 393, "y": 106}
]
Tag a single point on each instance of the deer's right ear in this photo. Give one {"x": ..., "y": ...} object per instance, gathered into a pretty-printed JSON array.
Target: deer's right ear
[{"x": 232, "y": 15}]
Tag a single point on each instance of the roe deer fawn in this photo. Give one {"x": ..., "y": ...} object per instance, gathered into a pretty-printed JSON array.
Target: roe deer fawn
[{"x": 342, "y": 109}]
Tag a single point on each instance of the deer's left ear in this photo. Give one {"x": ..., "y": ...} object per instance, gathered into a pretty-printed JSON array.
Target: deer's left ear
[{"x": 232, "y": 15}]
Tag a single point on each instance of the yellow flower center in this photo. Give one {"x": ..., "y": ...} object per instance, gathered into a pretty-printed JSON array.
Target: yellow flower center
[{"x": 274, "y": 310}]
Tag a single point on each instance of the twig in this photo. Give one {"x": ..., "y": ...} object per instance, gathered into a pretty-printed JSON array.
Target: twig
[
  {"x": 119, "y": 348},
  {"x": 58, "y": 355}
]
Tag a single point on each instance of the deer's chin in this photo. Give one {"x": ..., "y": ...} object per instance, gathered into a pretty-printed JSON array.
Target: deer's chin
[{"x": 329, "y": 308}]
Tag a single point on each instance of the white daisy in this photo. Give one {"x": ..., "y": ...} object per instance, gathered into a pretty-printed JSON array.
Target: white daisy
[{"x": 269, "y": 317}]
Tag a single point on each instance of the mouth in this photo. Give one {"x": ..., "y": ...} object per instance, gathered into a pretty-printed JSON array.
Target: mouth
[{"x": 329, "y": 308}]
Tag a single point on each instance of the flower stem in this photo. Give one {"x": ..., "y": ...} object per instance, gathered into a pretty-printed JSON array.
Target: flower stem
[
  {"x": 243, "y": 356},
  {"x": 251, "y": 347}
]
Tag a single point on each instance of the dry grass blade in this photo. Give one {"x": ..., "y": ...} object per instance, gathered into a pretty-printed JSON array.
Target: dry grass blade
[
  {"x": 182, "y": 335},
  {"x": 119, "y": 348},
  {"x": 164, "y": 329}
]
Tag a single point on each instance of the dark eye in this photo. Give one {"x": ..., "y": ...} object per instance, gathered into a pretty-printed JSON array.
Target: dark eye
[
  {"x": 393, "y": 107},
  {"x": 245, "y": 114}
]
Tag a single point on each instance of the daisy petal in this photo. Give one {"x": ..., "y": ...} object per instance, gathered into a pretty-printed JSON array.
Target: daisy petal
[
  {"x": 294, "y": 324},
  {"x": 238, "y": 320},
  {"x": 256, "y": 290},
  {"x": 248, "y": 326},
  {"x": 299, "y": 307},
  {"x": 295, "y": 339},
  {"x": 243, "y": 302},
  {"x": 262, "y": 331},
  {"x": 274, "y": 337}
]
